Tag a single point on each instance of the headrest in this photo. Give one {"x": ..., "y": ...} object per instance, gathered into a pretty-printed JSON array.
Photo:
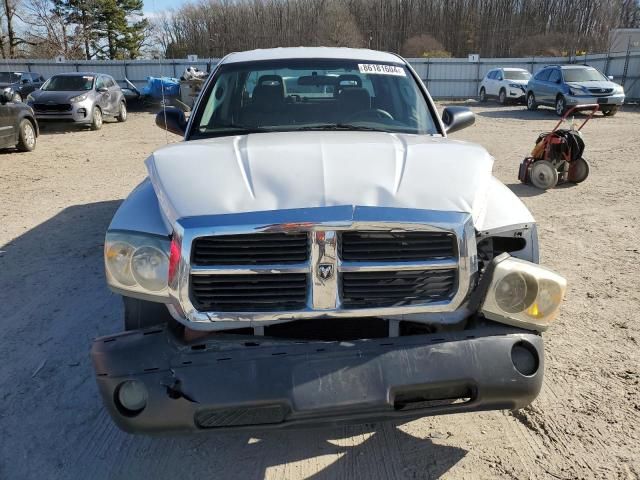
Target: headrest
[
  {"x": 269, "y": 89},
  {"x": 355, "y": 99}
]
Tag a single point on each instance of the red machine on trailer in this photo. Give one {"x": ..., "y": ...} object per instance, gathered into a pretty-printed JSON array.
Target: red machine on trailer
[{"x": 557, "y": 156}]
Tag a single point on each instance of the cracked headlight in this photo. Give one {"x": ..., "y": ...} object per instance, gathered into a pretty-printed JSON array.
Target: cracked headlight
[
  {"x": 137, "y": 263},
  {"x": 524, "y": 294}
]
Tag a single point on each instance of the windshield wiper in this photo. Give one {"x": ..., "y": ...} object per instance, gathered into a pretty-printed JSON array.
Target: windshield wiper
[
  {"x": 339, "y": 126},
  {"x": 243, "y": 128},
  {"x": 232, "y": 129}
]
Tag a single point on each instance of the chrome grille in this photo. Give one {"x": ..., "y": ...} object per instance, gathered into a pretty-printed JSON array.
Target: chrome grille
[
  {"x": 395, "y": 246},
  {"x": 253, "y": 292},
  {"x": 417, "y": 261},
  {"x": 601, "y": 91},
  {"x": 396, "y": 288},
  {"x": 256, "y": 249}
]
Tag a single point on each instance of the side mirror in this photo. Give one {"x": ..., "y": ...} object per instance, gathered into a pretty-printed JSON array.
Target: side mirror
[
  {"x": 6, "y": 96},
  {"x": 457, "y": 118},
  {"x": 172, "y": 119}
]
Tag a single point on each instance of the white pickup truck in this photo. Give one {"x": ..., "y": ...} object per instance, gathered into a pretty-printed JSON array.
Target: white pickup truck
[{"x": 317, "y": 250}]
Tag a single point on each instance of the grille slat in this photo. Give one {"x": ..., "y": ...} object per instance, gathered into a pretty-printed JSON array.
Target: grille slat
[
  {"x": 58, "y": 107},
  {"x": 396, "y": 246},
  {"x": 245, "y": 293},
  {"x": 386, "y": 289},
  {"x": 251, "y": 249}
]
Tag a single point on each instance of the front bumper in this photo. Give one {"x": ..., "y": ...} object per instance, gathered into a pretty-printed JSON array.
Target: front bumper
[
  {"x": 81, "y": 112},
  {"x": 243, "y": 382},
  {"x": 588, "y": 100},
  {"x": 517, "y": 94}
]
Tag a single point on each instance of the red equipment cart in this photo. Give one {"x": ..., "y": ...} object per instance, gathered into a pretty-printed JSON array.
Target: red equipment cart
[{"x": 557, "y": 156}]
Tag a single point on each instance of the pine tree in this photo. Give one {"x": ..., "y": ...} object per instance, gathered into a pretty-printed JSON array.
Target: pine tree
[
  {"x": 119, "y": 36},
  {"x": 82, "y": 14}
]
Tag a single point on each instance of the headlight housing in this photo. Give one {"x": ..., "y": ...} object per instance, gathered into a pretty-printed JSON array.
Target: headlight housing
[
  {"x": 79, "y": 98},
  {"x": 137, "y": 263},
  {"x": 515, "y": 85},
  {"x": 30, "y": 98},
  {"x": 524, "y": 294},
  {"x": 576, "y": 91}
]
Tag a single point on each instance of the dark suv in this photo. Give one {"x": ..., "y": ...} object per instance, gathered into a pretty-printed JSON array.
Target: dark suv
[
  {"x": 565, "y": 86},
  {"x": 22, "y": 83}
]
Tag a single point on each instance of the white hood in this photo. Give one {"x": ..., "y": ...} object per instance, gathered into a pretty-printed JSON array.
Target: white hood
[{"x": 284, "y": 170}]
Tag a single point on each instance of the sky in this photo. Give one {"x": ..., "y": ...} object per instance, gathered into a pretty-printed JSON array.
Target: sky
[{"x": 155, "y": 6}]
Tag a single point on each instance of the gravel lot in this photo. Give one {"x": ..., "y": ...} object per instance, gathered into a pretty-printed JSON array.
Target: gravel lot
[{"x": 56, "y": 202}]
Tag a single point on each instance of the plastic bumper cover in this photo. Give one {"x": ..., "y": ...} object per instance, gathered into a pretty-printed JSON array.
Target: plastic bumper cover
[
  {"x": 244, "y": 382},
  {"x": 617, "y": 99},
  {"x": 80, "y": 113}
]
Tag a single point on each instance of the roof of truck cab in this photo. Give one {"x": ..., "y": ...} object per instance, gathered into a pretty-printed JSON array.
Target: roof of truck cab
[{"x": 312, "y": 52}]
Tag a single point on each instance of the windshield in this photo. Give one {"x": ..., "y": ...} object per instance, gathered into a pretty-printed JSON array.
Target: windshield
[
  {"x": 516, "y": 75},
  {"x": 9, "y": 77},
  {"x": 297, "y": 94},
  {"x": 69, "y": 83},
  {"x": 582, "y": 75}
]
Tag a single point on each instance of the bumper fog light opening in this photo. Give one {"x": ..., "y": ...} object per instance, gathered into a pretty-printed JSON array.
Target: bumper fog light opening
[
  {"x": 525, "y": 358},
  {"x": 130, "y": 398}
]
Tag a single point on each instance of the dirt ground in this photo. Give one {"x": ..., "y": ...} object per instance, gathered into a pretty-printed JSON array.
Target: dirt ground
[{"x": 56, "y": 203}]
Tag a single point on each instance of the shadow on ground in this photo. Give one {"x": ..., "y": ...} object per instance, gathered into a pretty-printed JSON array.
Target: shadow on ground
[{"x": 53, "y": 302}]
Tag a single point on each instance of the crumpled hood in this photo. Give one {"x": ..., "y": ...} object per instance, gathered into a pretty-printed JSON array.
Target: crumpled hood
[{"x": 285, "y": 170}]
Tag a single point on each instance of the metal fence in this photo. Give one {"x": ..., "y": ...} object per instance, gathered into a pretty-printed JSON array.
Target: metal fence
[{"x": 446, "y": 78}]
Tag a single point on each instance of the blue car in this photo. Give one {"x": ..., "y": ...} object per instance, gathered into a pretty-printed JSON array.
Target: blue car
[{"x": 565, "y": 86}]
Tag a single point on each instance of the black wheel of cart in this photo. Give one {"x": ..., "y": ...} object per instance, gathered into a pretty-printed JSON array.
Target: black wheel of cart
[{"x": 578, "y": 170}]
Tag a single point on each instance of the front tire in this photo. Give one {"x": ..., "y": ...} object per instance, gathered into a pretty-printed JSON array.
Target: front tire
[
  {"x": 143, "y": 314},
  {"x": 543, "y": 175},
  {"x": 26, "y": 136},
  {"x": 610, "y": 112},
  {"x": 502, "y": 97},
  {"x": 483, "y": 95},
  {"x": 96, "y": 119},
  {"x": 561, "y": 105},
  {"x": 531, "y": 102},
  {"x": 122, "y": 113}
]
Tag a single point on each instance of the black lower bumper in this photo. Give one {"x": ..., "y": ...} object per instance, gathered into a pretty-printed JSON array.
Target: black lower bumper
[{"x": 241, "y": 382}]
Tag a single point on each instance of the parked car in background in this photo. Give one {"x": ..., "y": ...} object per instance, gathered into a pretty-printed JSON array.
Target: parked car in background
[
  {"x": 564, "y": 86},
  {"x": 18, "y": 126},
  {"x": 505, "y": 84},
  {"x": 22, "y": 83},
  {"x": 311, "y": 254},
  {"x": 84, "y": 98}
]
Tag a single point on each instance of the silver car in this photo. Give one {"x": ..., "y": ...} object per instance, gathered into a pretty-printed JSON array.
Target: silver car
[{"x": 84, "y": 98}]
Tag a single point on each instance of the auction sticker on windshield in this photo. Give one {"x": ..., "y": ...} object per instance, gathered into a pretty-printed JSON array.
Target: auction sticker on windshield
[{"x": 381, "y": 69}]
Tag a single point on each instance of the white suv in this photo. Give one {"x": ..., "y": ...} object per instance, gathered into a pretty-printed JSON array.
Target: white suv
[{"x": 507, "y": 84}]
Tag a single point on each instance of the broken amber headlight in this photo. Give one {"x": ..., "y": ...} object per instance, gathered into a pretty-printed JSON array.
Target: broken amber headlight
[{"x": 523, "y": 294}]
